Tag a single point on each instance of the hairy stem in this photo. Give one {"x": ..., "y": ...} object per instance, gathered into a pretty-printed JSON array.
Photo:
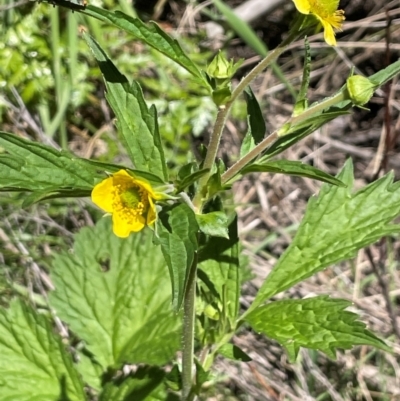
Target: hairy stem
[
  {"x": 235, "y": 168},
  {"x": 223, "y": 115},
  {"x": 210, "y": 156},
  {"x": 270, "y": 139},
  {"x": 189, "y": 311}
]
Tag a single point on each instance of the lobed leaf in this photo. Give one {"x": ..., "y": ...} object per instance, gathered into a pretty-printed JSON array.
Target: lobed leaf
[
  {"x": 114, "y": 295},
  {"x": 319, "y": 323},
  {"x": 335, "y": 226},
  {"x": 34, "y": 365}
]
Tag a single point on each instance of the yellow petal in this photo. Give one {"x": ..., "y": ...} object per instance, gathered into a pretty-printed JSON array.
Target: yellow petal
[
  {"x": 329, "y": 34},
  {"x": 152, "y": 213},
  {"x": 327, "y": 6},
  {"x": 102, "y": 195},
  {"x": 123, "y": 174},
  {"x": 122, "y": 227},
  {"x": 122, "y": 178},
  {"x": 303, "y": 6},
  {"x": 148, "y": 188}
]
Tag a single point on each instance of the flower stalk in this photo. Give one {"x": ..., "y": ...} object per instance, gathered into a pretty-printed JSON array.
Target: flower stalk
[
  {"x": 225, "y": 110},
  {"x": 270, "y": 139}
]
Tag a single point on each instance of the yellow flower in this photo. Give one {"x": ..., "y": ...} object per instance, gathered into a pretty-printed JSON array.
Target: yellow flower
[
  {"x": 130, "y": 200},
  {"x": 327, "y": 13}
]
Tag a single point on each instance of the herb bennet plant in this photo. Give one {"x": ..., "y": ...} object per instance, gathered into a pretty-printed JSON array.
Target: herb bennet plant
[{"x": 160, "y": 272}]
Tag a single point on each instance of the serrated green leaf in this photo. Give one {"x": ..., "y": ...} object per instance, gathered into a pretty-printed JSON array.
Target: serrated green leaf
[
  {"x": 31, "y": 166},
  {"x": 114, "y": 295},
  {"x": 319, "y": 323},
  {"x": 152, "y": 35},
  {"x": 256, "y": 118},
  {"x": 214, "y": 224},
  {"x": 177, "y": 229},
  {"x": 290, "y": 167},
  {"x": 143, "y": 385},
  {"x": 219, "y": 260},
  {"x": 34, "y": 365},
  {"x": 335, "y": 226},
  {"x": 233, "y": 352},
  {"x": 137, "y": 124}
]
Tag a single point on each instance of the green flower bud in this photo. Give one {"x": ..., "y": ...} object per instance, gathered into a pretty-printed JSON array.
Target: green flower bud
[
  {"x": 220, "y": 67},
  {"x": 360, "y": 89}
]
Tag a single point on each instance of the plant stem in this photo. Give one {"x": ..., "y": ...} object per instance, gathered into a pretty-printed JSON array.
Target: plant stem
[
  {"x": 211, "y": 155},
  {"x": 189, "y": 311},
  {"x": 270, "y": 139},
  {"x": 223, "y": 115},
  {"x": 235, "y": 168}
]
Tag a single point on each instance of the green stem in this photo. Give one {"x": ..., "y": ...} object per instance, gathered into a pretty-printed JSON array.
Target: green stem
[
  {"x": 318, "y": 107},
  {"x": 235, "y": 168},
  {"x": 223, "y": 115},
  {"x": 189, "y": 311},
  {"x": 269, "y": 140},
  {"x": 210, "y": 156}
]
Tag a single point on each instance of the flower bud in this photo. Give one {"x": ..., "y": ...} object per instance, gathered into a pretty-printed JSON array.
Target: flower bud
[
  {"x": 220, "y": 67},
  {"x": 360, "y": 89}
]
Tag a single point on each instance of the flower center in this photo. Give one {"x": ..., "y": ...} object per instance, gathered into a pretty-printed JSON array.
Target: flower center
[
  {"x": 130, "y": 201},
  {"x": 131, "y": 197}
]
